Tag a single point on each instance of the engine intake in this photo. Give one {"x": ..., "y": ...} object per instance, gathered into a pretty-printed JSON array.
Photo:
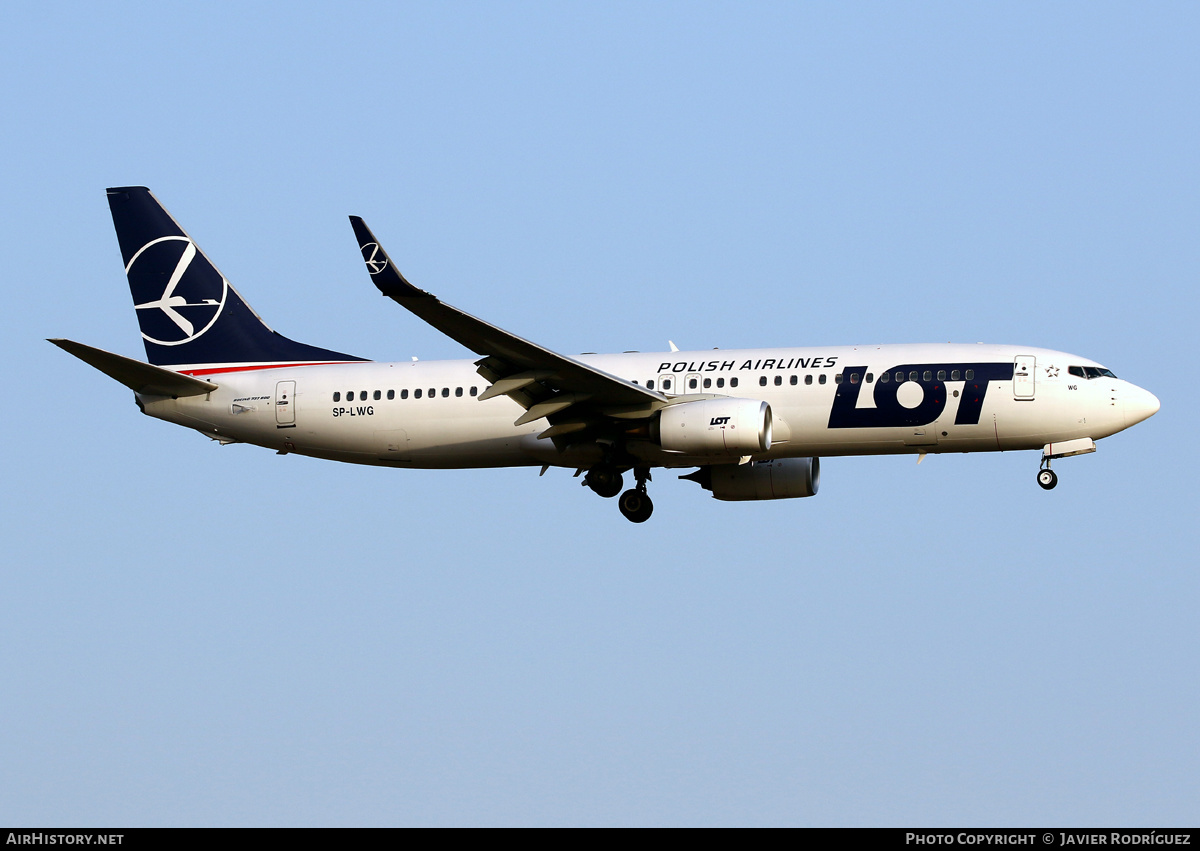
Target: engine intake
[
  {"x": 729, "y": 427},
  {"x": 784, "y": 478}
]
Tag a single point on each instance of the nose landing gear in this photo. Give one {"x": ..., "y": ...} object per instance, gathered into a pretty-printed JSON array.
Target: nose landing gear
[
  {"x": 1063, "y": 449},
  {"x": 1046, "y": 477},
  {"x": 635, "y": 503}
]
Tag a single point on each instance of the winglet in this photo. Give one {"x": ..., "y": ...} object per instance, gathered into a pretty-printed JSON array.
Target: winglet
[{"x": 383, "y": 271}]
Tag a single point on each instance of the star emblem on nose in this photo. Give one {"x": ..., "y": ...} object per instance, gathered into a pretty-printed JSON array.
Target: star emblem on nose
[{"x": 1052, "y": 372}]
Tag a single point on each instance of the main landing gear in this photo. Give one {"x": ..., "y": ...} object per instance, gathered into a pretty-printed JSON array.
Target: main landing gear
[
  {"x": 607, "y": 482},
  {"x": 635, "y": 503}
]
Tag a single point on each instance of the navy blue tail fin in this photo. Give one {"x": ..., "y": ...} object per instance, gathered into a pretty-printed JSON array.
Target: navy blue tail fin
[{"x": 188, "y": 313}]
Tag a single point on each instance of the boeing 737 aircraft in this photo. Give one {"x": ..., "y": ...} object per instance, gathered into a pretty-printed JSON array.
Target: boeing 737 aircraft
[{"x": 754, "y": 422}]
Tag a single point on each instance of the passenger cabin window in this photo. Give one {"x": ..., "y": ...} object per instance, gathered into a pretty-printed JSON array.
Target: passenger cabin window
[
  {"x": 417, "y": 393},
  {"x": 445, "y": 392},
  {"x": 720, "y": 382},
  {"x": 432, "y": 392},
  {"x": 650, "y": 384},
  {"x": 457, "y": 391},
  {"x": 337, "y": 396},
  {"x": 955, "y": 375},
  {"x": 779, "y": 381},
  {"x": 870, "y": 378},
  {"x": 837, "y": 379},
  {"x": 970, "y": 374},
  {"x": 404, "y": 393},
  {"x": 854, "y": 378},
  {"x": 391, "y": 395},
  {"x": 733, "y": 382},
  {"x": 808, "y": 379},
  {"x": 472, "y": 391},
  {"x": 884, "y": 378},
  {"x": 707, "y": 383},
  {"x": 928, "y": 376},
  {"x": 377, "y": 395},
  {"x": 821, "y": 380},
  {"x": 692, "y": 384},
  {"x": 762, "y": 381},
  {"x": 795, "y": 379},
  {"x": 941, "y": 375}
]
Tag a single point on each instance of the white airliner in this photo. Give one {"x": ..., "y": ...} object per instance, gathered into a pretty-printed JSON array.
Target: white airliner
[{"x": 754, "y": 422}]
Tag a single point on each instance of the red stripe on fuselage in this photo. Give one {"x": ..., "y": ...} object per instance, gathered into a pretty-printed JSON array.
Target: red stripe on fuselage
[{"x": 219, "y": 369}]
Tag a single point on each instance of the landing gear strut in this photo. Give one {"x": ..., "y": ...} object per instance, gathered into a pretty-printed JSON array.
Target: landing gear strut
[
  {"x": 635, "y": 503},
  {"x": 1046, "y": 477},
  {"x": 1063, "y": 449}
]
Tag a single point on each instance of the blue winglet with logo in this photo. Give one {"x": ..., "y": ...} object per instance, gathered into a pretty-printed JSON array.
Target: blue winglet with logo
[
  {"x": 189, "y": 314},
  {"x": 383, "y": 271}
]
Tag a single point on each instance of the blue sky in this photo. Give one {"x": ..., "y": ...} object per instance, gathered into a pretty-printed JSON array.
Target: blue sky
[{"x": 207, "y": 635}]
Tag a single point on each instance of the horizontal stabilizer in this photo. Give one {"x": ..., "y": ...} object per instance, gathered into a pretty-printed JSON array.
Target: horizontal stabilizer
[{"x": 137, "y": 376}]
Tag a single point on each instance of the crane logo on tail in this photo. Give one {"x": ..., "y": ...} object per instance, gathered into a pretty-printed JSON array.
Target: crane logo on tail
[{"x": 177, "y": 292}]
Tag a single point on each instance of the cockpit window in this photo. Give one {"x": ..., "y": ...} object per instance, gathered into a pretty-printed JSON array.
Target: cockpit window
[{"x": 1090, "y": 372}]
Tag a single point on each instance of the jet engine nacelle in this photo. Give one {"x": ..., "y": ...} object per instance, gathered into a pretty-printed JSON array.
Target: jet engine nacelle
[
  {"x": 785, "y": 478},
  {"x": 716, "y": 427}
]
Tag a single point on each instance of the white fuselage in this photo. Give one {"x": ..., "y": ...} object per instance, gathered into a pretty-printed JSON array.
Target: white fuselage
[{"x": 370, "y": 413}]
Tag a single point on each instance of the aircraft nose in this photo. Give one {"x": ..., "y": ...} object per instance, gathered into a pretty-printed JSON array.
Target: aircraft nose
[{"x": 1139, "y": 405}]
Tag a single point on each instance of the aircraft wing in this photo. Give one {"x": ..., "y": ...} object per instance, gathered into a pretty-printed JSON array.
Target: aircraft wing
[
  {"x": 137, "y": 376},
  {"x": 542, "y": 381}
]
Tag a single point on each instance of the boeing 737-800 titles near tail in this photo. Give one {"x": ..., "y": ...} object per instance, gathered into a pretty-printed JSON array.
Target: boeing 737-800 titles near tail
[{"x": 754, "y": 422}]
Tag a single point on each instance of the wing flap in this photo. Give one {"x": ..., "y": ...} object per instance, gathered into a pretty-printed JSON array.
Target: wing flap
[
  {"x": 551, "y": 406},
  {"x": 506, "y": 386}
]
